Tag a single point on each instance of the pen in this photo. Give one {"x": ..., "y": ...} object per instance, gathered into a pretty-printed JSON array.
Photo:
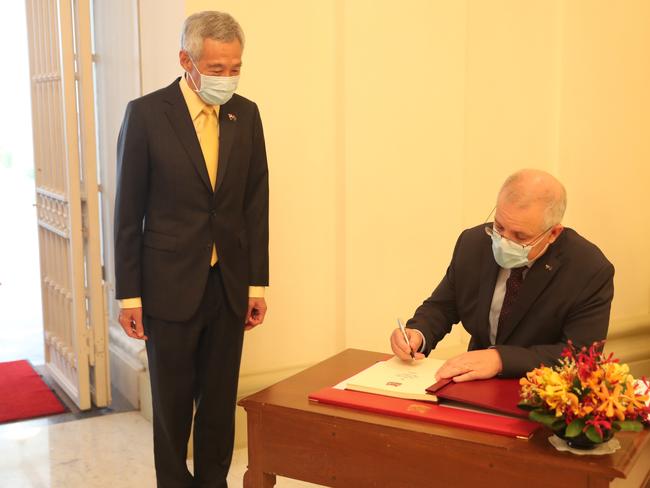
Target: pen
[{"x": 401, "y": 327}]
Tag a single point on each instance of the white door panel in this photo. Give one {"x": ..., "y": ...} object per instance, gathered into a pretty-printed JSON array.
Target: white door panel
[{"x": 67, "y": 198}]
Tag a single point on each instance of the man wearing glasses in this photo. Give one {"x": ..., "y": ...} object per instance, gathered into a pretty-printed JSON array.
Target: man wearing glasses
[{"x": 522, "y": 286}]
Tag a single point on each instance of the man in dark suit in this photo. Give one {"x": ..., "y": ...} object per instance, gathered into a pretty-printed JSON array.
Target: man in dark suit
[
  {"x": 523, "y": 286},
  {"x": 191, "y": 245}
]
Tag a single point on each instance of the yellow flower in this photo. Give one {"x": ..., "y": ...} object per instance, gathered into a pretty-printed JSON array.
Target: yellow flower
[
  {"x": 586, "y": 385},
  {"x": 633, "y": 400},
  {"x": 616, "y": 372},
  {"x": 611, "y": 401},
  {"x": 534, "y": 383},
  {"x": 554, "y": 391}
]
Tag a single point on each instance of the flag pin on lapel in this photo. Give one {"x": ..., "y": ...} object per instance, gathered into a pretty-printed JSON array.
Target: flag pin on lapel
[
  {"x": 232, "y": 117},
  {"x": 548, "y": 267}
]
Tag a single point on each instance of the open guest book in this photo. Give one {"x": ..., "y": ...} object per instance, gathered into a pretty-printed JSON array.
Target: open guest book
[
  {"x": 397, "y": 378},
  {"x": 397, "y": 388}
]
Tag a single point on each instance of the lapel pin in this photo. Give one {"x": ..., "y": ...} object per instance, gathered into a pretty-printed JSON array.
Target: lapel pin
[
  {"x": 548, "y": 267},
  {"x": 232, "y": 117}
]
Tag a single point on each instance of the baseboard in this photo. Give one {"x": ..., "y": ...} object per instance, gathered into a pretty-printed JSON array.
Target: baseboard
[
  {"x": 629, "y": 326},
  {"x": 249, "y": 383},
  {"x": 144, "y": 389},
  {"x": 125, "y": 375},
  {"x": 629, "y": 340},
  {"x": 640, "y": 369}
]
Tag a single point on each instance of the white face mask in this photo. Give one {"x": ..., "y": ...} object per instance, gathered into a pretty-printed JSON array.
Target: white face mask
[
  {"x": 215, "y": 90},
  {"x": 509, "y": 254}
]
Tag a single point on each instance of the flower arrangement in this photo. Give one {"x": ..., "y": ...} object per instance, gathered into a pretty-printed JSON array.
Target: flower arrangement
[{"x": 586, "y": 397}]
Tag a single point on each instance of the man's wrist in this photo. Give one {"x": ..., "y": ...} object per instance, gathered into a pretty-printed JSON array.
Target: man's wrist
[
  {"x": 424, "y": 341},
  {"x": 500, "y": 361}
]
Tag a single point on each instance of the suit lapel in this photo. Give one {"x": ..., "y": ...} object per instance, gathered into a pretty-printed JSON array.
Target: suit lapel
[
  {"x": 488, "y": 279},
  {"x": 179, "y": 117},
  {"x": 537, "y": 279},
  {"x": 227, "y": 129}
]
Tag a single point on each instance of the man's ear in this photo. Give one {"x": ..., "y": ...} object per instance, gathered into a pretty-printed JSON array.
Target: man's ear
[
  {"x": 185, "y": 61},
  {"x": 555, "y": 233}
]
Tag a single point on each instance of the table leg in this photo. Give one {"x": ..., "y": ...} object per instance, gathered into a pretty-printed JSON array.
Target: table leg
[
  {"x": 254, "y": 476},
  {"x": 258, "y": 479}
]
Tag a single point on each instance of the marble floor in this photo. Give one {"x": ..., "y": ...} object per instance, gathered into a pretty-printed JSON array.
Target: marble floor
[{"x": 107, "y": 451}]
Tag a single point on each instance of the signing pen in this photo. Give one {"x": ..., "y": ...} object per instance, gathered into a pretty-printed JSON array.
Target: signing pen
[{"x": 401, "y": 327}]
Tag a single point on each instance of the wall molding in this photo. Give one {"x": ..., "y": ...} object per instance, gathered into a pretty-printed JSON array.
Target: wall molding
[
  {"x": 128, "y": 361},
  {"x": 629, "y": 326},
  {"x": 629, "y": 340}
]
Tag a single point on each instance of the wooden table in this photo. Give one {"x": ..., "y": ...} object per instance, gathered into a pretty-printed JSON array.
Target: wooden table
[{"x": 340, "y": 447}]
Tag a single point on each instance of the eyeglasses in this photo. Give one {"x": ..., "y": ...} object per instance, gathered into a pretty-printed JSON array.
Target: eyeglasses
[{"x": 492, "y": 232}]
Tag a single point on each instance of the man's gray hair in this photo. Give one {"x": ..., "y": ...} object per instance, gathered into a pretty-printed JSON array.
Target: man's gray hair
[
  {"x": 530, "y": 186},
  {"x": 209, "y": 24}
]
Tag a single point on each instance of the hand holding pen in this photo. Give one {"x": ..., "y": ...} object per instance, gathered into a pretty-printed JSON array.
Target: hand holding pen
[
  {"x": 400, "y": 341},
  {"x": 406, "y": 338}
]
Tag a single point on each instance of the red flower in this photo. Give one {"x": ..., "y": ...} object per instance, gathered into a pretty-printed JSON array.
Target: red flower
[{"x": 599, "y": 424}]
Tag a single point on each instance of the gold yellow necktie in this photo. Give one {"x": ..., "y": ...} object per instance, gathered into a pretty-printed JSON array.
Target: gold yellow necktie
[{"x": 209, "y": 141}]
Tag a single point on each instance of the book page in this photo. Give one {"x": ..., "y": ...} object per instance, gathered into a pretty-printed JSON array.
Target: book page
[{"x": 397, "y": 378}]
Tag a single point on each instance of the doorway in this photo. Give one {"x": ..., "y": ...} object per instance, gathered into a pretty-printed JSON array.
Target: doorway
[
  {"x": 50, "y": 85},
  {"x": 21, "y": 321}
]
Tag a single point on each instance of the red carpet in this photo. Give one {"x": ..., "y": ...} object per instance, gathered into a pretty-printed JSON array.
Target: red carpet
[{"x": 23, "y": 394}]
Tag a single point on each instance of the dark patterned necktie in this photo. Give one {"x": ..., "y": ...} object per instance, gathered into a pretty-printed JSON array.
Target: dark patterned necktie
[{"x": 513, "y": 285}]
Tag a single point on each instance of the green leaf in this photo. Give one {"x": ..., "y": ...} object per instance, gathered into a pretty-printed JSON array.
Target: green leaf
[
  {"x": 593, "y": 435},
  {"x": 575, "y": 427},
  {"x": 630, "y": 425},
  {"x": 527, "y": 406},
  {"x": 548, "y": 419},
  {"x": 558, "y": 425}
]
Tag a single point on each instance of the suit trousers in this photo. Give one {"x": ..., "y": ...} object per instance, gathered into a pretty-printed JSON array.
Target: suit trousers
[{"x": 195, "y": 364}]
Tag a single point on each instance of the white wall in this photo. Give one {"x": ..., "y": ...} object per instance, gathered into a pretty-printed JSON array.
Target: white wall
[
  {"x": 159, "y": 39},
  {"x": 117, "y": 76},
  {"x": 291, "y": 69},
  {"x": 409, "y": 116},
  {"x": 390, "y": 126}
]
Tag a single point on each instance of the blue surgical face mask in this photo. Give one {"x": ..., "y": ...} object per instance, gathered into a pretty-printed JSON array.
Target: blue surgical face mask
[
  {"x": 215, "y": 90},
  {"x": 509, "y": 254}
]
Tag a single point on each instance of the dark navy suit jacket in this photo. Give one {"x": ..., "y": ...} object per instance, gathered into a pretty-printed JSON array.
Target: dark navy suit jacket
[
  {"x": 167, "y": 216},
  {"x": 567, "y": 294}
]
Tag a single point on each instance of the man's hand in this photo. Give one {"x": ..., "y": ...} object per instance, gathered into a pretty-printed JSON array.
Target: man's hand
[
  {"x": 131, "y": 321},
  {"x": 472, "y": 365},
  {"x": 256, "y": 312},
  {"x": 401, "y": 348}
]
